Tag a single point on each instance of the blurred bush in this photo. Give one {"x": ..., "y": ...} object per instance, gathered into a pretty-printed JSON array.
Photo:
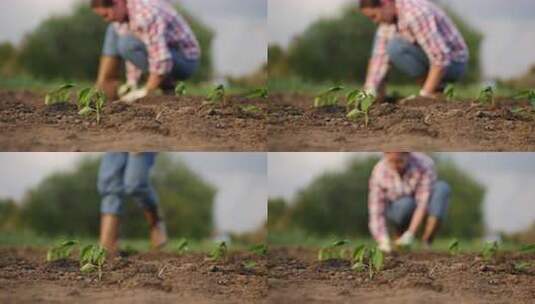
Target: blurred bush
[
  {"x": 336, "y": 203},
  {"x": 67, "y": 203},
  {"x": 338, "y": 49},
  {"x": 69, "y": 47}
]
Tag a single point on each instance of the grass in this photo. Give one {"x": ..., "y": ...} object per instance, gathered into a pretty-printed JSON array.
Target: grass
[
  {"x": 140, "y": 245},
  {"x": 442, "y": 244},
  {"x": 23, "y": 82},
  {"x": 294, "y": 84}
]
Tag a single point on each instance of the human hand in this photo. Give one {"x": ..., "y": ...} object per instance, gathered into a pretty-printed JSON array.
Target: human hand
[
  {"x": 406, "y": 239},
  {"x": 134, "y": 95},
  {"x": 384, "y": 245},
  {"x": 126, "y": 88}
]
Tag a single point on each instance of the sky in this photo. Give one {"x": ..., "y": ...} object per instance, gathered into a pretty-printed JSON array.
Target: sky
[
  {"x": 507, "y": 26},
  {"x": 240, "y": 26},
  {"x": 240, "y": 179},
  {"x": 508, "y": 177}
]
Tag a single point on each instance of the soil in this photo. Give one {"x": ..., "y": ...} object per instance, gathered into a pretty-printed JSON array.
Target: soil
[
  {"x": 25, "y": 277},
  {"x": 295, "y": 276},
  {"x": 154, "y": 123},
  {"x": 420, "y": 124}
]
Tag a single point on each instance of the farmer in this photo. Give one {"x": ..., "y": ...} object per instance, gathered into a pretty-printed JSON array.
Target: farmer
[
  {"x": 127, "y": 174},
  {"x": 151, "y": 37},
  {"x": 404, "y": 191},
  {"x": 419, "y": 39}
]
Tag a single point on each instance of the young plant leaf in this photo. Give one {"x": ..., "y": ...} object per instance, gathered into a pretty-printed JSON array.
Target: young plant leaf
[
  {"x": 182, "y": 246},
  {"x": 218, "y": 253},
  {"x": 486, "y": 96},
  {"x": 489, "y": 250},
  {"x": 260, "y": 249},
  {"x": 217, "y": 95},
  {"x": 329, "y": 98},
  {"x": 249, "y": 265},
  {"x": 180, "y": 89},
  {"x": 59, "y": 95},
  {"x": 257, "y": 93},
  {"x": 61, "y": 251},
  {"x": 449, "y": 92},
  {"x": 251, "y": 109},
  {"x": 453, "y": 247}
]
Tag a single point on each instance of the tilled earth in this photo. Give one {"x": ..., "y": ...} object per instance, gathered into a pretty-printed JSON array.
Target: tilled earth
[
  {"x": 421, "y": 124},
  {"x": 295, "y": 276},
  {"x": 25, "y": 277},
  {"x": 152, "y": 124}
]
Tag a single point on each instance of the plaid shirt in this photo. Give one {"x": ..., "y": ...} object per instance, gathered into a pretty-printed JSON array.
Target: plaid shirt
[
  {"x": 160, "y": 27},
  {"x": 423, "y": 23},
  {"x": 387, "y": 186}
]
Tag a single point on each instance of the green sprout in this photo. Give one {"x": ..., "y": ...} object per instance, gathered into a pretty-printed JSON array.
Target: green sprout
[
  {"x": 359, "y": 103},
  {"x": 182, "y": 246},
  {"x": 219, "y": 252},
  {"x": 332, "y": 251},
  {"x": 489, "y": 250},
  {"x": 61, "y": 251},
  {"x": 180, "y": 89},
  {"x": 529, "y": 95},
  {"x": 371, "y": 259},
  {"x": 252, "y": 109},
  {"x": 486, "y": 96},
  {"x": 249, "y": 265},
  {"x": 217, "y": 95},
  {"x": 453, "y": 247},
  {"x": 91, "y": 101},
  {"x": 260, "y": 249},
  {"x": 92, "y": 258},
  {"x": 59, "y": 95},
  {"x": 257, "y": 93},
  {"x": 329, "y": 98},
  {"x": 528, "y": 248},
  {"x": 449, "y": 92},
  {"x": 521, "y": 266}
]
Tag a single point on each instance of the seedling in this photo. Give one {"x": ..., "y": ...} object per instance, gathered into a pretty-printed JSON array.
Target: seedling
[
  {"x": 260, "y": 249},
  {"x": 249, "y": 265},
  {"x": 258, "y": 93},
  {"x": 486, "y": 96},
  {"x": 59, "y": 95},
  {"x": 91, "y": 101},
  {"x": 528, "y": 248},
  {"x": 449, "y": 92},
  {"x": 521, "y": 266},
  {"x": 359, "y": 103},
  {"x": 489, "y": 250},
  {"x": 182, "y": 246},
  {"x": 371, "y": 259},
  {"x": 332, "y": 251},
  {"x": 218, "y": 253},
  {"x": 453, "y": 247},
  {"x": 92, "y": 258},
  {"x": 251, "y": 109},
  {"x": 61, "y": 251},
  {"x": 529, "y": 95},
  {"x": 180, "y": 89},
  {"x": 329, "y": 98},
  {"x": 217, "y": 95}
]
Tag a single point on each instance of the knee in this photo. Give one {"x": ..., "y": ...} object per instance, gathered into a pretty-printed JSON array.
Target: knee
[
  {"x": 128, "y": 45},
  {"x": 396, "y": 46},
  {"x": 132, "y": 188}
]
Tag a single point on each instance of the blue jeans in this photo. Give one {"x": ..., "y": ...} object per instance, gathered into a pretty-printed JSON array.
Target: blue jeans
[
  {"x": 130, "y": 48},
  {"x": 126, "y": 174},
  {"x": 400, "y": 212},
  {"x": 413, "y": 61}
]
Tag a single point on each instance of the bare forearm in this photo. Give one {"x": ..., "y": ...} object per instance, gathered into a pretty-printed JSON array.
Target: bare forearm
[
  {"x": 154, "y": 81},
  {"x": 434, "y": 78},
  {"x": 417, "y": 219}
]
